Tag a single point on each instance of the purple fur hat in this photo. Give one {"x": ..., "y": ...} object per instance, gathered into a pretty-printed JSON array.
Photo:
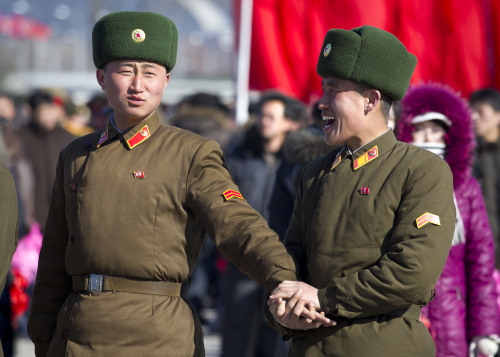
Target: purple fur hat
[{"x": 460, "y": 140}]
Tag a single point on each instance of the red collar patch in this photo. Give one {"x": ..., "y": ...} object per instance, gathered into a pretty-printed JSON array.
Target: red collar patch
[{"x": 139, "y": 137}]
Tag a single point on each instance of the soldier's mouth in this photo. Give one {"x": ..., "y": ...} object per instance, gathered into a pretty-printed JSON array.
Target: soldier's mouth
[{"x": 329, "y": 121}]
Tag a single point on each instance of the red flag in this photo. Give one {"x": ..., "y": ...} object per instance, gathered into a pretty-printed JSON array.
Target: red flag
[
  {"x": 447, "y": 36},
  {"x": 287, "y": 37},
  {"x": 494, "y": 41},
  {"x": 23, "y": 27}
]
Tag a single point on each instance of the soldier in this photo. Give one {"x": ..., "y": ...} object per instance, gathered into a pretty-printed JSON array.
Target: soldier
[
  {"x": 129, "y": 211},
  {"x": 8, "y": 226},
  {"x": 373, "y": 220}
]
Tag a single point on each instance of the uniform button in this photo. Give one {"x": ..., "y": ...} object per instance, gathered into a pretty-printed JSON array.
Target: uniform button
[
  {"x": 64, "y": 335},
  {"x": 72, "y": 186},
  {"x": 71, "y": 239}
]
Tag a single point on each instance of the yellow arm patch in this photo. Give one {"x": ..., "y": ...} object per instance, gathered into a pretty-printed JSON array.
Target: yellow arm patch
[
  {"x": 228, "y": 194},
  {"x": 427, "y": 218}
]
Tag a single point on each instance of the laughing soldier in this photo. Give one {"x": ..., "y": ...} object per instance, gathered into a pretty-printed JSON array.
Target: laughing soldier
[{"x": 373, "y": 221}]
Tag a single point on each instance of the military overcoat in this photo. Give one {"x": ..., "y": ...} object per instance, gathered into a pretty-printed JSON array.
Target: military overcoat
[
  {"x": 8, "y": 225},
  {"x": 371, "y": 230},
  {"x": 137, "y": 205},
  {"x": 8, "y": 222}
]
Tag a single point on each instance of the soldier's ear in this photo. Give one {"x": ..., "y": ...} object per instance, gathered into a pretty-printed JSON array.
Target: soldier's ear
[
  {"x": 166, "y": 83},
  {"x": 372, "y": 101},
  {"x": 99, "y": 73}
]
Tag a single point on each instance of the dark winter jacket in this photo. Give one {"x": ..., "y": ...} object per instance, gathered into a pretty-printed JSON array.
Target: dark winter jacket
[
  {"x": 300, "y": 147},
  {"x": 486, "y": 169},
  {"x": 465, "y": 302},
  {"x": 42, "y": 148}
]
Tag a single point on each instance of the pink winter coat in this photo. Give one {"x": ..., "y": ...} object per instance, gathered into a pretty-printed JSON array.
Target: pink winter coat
[{"x": 465, "y": 304}]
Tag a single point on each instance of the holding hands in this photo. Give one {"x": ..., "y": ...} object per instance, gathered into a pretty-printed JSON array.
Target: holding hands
[{"x": 295, "y": 305}]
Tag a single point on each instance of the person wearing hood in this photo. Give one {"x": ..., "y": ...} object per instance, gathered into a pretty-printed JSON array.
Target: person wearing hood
[{"x": 464, "y": 310}]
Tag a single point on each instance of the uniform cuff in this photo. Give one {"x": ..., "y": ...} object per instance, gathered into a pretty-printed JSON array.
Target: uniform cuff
[
  {"x": 278, "y": 277},
  {"x": 327, "y": 300}
]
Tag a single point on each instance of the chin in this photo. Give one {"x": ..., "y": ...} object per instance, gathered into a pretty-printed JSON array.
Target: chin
[{"x": 333, "y": 141}]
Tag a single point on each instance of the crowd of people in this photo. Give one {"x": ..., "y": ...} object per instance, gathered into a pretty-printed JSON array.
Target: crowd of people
[{"x": 286, "y": 168}]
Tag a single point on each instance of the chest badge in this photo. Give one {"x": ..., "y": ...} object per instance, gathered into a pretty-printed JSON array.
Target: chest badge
[
  {"x": 427, "y": 218},
  {"x": 139, "y": 174},
  {"x": 228, "y": 194},
  {"x": 364, "y": 190}
]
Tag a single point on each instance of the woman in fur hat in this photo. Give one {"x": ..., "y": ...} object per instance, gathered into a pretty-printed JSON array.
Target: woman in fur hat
[{"x": 464, "y": 310}]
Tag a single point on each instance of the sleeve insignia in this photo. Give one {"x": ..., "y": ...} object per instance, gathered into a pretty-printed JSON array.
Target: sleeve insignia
[
  {"x": 427, "y": 218},
  {"x": 231, "y": 193}
]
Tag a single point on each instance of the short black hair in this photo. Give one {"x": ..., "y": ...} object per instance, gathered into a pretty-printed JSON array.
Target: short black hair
[
  {"x": 385, "y": 100},
  {"x": 39, "y": 97},
  {"x": 294, "y": 109},
  {"x": 486, "y": 95}
]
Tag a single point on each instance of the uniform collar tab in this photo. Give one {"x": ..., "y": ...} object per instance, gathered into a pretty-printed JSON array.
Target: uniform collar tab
[
  {"x": 141, "y": 131},
  {"x": 373, "y": 149}
]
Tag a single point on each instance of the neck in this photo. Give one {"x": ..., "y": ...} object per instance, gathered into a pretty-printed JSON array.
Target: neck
[
  {"x": 124, "y": 123},
  {"x": 360, "y": 142}
]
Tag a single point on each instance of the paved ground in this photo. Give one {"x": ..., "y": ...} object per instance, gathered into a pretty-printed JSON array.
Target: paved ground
[{"x": 24, "y": 347}]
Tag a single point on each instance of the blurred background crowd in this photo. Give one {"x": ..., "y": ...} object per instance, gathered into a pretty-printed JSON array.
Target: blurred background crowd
[{"x": 49, "y": 96}]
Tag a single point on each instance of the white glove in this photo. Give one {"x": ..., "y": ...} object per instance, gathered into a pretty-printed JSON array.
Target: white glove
[{"x": 484, "y": 345}]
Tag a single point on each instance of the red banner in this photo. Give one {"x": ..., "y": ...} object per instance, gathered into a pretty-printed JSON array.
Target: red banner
[
  {"x": 449, "y": 38},
  {"x": 23, "y": 27}
]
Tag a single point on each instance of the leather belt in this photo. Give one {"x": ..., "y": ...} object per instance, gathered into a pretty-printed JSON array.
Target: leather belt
[{"x": 95, "y": 283}]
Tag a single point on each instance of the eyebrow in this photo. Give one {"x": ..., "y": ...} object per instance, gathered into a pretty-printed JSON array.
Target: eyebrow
[{"x": 145, "y": 64}]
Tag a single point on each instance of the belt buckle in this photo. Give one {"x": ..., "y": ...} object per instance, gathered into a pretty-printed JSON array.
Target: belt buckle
[{"x": 95, "y": 283}]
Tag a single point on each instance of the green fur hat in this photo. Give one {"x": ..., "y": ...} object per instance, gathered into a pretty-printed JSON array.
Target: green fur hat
[
  {"x": 133, "y": 35},
  {"x": 368, "y": 55}
]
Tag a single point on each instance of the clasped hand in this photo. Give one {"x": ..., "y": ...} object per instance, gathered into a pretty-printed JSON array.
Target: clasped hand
[{"x": 295, "y": 305}]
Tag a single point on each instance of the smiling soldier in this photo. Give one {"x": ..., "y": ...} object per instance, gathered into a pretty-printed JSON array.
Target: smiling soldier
[{"x": 373, "y": 220}]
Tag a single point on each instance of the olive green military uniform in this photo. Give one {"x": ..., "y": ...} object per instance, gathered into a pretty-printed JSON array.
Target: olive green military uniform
[
  {"x": 137, "y": 206},
  {"x": 371, "y": 230},
  {"x": 8, "y": 224}
]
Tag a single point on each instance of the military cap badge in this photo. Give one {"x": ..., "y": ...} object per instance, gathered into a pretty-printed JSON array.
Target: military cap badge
[
  {"x": 138, "y": 35},
  {"x": 327, "y": 49}
]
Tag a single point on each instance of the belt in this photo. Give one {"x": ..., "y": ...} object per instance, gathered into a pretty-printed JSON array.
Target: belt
[{"x": 95, "y": 283}]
